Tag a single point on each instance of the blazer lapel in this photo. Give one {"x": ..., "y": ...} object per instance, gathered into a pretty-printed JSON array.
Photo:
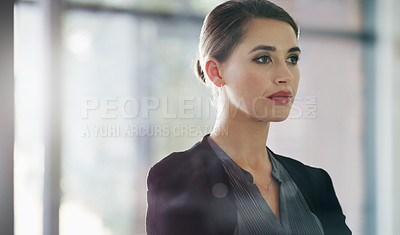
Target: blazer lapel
[
  {"x": 223, "y": 199},
  {"x": 298, "y": 177}
]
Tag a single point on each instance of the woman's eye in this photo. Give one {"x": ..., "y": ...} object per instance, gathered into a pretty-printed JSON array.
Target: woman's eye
[
  {"x": 263, "y": 59},
  {"x": 293, "y": 59}
]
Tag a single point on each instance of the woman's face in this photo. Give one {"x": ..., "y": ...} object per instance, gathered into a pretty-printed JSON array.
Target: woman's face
[{"x": 261, "y": 76}]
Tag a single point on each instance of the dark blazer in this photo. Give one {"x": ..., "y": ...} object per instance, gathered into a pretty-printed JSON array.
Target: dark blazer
[{"x": 181, "y": 200}]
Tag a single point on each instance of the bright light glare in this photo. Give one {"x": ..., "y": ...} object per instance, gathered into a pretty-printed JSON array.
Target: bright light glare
[
  {"x": 80, "y": 43},
  {"x": 76, "y": 219}
]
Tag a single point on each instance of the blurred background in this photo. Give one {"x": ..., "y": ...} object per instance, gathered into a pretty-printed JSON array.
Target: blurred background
[{"x": 103, "y": 89}]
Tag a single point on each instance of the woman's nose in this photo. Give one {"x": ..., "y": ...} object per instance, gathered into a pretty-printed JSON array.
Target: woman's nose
[{"x": 283, "y": 75}]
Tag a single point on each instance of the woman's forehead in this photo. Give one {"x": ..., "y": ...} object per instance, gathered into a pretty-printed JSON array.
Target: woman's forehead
[{"x": 270, "y": 32}]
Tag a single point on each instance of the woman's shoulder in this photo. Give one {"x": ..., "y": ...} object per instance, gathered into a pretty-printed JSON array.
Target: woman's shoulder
[
  {"x": 179, "y": 194},
  {"x": 298, "y": 167},
  {"x": 183, "y": 166},
  {"x": 176, "y": 160}
]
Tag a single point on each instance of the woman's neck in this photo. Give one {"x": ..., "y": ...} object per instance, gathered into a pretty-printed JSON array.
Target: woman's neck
[{"x": 243, "y": 140}]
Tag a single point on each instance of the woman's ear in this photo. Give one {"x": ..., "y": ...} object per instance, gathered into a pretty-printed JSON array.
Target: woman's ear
[{"x": 213, "y": 72}]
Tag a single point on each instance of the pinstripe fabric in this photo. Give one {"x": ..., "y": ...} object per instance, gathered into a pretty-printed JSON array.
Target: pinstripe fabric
[{"x": 254, "y": 215}]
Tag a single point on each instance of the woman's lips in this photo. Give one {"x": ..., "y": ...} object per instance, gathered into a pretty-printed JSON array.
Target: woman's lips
[{"x": 281, "y": 97}]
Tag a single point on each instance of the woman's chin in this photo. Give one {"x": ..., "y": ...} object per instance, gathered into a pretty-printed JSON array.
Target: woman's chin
[
  {"x": 278, "y": 119},
  {"x": 279, "y": 116}
]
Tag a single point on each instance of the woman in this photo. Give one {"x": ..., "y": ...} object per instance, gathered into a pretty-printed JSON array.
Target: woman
[{"x": 230, "y": 183}]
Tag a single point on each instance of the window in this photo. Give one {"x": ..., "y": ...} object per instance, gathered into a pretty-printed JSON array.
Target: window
[{"x": 129, "y": 98}]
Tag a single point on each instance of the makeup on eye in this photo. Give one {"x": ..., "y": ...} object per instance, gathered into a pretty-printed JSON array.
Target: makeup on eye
[
  {"x": 264, "y": 59},
  {"x": 293, "y": 59}
]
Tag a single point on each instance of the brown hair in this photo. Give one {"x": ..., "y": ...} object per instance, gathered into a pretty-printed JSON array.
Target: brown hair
[{"x": 223, "y": 27}]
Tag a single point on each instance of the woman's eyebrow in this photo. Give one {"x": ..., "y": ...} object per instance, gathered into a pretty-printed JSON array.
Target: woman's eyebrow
[
  {"x": 264, "y": 48},
  {"x": 294, "y": 49},
  {"x": 272, "y": 48}
]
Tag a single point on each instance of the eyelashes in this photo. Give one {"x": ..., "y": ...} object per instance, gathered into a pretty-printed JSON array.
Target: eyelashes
[
  {"x": 263, "y": 59},
  {"x": 293, "y": 59},
  {"x": 266, "y": 59}
]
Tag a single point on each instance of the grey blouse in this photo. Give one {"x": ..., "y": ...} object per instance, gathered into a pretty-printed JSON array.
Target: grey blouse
[{"x": 254, "y": 214}]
